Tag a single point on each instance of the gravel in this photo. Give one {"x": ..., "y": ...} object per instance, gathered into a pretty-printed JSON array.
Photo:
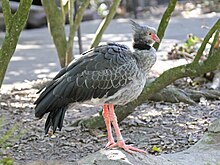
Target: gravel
[{"x": 170, "y": 127}]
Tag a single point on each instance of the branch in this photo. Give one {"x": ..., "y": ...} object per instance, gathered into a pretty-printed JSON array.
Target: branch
[
  {"x": 63, "y": 11},
  {"x": 104, "y": 24},
  {"x": 74, "y": 26},
  {"x": 79, "y": 14},
  {"x": 164, "y": 21},
  {"x": 160, "y": 83},
  {"x": 205, "y": 41},
  {"x": 14, "y": 25},
  {"x": 7, "y": 14},
  {"x": 69, "y": 55},
  {"x": 216, "y": 38},
  {"x": 70, "y": 6}
]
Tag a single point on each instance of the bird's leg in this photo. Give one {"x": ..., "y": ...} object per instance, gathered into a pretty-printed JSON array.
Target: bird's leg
[
  {"x": 120, "y": 141},
  {"x": 106, "y": 117}
]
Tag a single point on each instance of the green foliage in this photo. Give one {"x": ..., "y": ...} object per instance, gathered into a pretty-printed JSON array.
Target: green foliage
[
  {"x": 103, "y": 10},
  {"x": 7, "y": 140},
  {"x": 7, "y": 161},
  {"x": 192, "y": 40},
  {"x": 190, "y": 44},
  {"x": 186, "y": 50},
  {"x": 156, "y": 149}
]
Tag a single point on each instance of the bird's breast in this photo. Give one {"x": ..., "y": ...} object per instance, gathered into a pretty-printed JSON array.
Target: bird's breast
[{"x": 129, "y": 92}]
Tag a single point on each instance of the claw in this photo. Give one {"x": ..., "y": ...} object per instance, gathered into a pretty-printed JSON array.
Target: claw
[{"x": 127, "y": 148}]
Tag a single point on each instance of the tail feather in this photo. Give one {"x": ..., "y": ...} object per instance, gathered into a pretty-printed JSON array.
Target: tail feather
[
  {"x": 46, "y": 91},
  {"x": 56, "y": 106},
  {"x": 45, "y": 105},
  {"x": 55, "y": 119}
]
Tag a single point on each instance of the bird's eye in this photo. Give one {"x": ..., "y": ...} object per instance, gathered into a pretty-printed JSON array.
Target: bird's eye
[{"x": 149, "y": 33}]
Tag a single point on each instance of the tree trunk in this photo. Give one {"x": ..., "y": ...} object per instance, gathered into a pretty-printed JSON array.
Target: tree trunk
[
  {"x": 14, "y": 23},
  {"x": 73, "y": 28},
  {"x": 56, "y": 22}
]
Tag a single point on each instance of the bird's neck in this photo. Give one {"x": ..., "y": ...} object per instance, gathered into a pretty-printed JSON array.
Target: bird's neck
[
  {"x": 145, "y": 55},
  {"x": 141, "y": 46}
]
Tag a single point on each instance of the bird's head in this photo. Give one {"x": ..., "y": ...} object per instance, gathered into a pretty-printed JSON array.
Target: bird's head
[{"x": 144, "y": 34}]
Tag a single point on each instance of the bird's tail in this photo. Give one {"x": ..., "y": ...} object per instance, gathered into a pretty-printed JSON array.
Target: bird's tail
[
  {"x": 55, "y": 106},
  {"x": 55, "y": 119}
]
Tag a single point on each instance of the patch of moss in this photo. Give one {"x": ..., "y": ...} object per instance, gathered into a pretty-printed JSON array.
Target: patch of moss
[
  {"x": 7, "y": 161},
  {"x": 208, "y": 139}
]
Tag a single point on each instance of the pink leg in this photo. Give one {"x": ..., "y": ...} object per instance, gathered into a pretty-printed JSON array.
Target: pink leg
[
  {"x": 106, "y": 117},
  {"x": 120, "y": 141}
]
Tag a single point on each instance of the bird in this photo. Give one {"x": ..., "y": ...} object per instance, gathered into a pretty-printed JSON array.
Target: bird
[{"x": 108, "y": 75}]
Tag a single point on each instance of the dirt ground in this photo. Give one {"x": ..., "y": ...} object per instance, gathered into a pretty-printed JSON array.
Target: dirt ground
[{"x": 171, "y": 127}]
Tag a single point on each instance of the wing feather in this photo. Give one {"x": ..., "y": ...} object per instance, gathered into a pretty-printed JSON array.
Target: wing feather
[
  {"x": 101, "y": 72},
  {"x": 106, "y": 72}
]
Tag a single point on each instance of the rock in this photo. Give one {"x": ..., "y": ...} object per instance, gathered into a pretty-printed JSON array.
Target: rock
[
  {"x": 216, "y": 80},
  {"x": 119, "y": 157},
  {"x": 215, "y": 127},
  {"x": 50, "y": 162},
  {"x": 90, "y": 14},
  {"x": 205, "y": 151},
  {"x": 37, "y": 17}
]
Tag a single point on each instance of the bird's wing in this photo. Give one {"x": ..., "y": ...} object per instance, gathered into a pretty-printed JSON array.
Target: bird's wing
[{"x": 101, "y": 72}]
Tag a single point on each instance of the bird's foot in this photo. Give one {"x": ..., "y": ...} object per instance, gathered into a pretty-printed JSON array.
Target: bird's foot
[
  {"x": 110, "y": 143},
  {"x": 127, "y": 148}
]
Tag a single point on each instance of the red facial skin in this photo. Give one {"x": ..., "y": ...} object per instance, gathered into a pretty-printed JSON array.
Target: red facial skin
[{"x": 155, "y": 38}]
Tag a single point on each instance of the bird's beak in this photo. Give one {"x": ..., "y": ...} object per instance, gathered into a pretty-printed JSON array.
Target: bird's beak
[{"x": 155, "y": 38}]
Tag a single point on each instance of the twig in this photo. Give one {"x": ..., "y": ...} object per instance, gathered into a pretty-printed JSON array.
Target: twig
[
  {"x": 164, "y": 21},
  {"x": 205, "y": 41},
  {"x": 104, "y": 24}
]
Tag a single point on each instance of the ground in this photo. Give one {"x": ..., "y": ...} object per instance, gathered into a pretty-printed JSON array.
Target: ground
[{"x": 171, "y": 127}]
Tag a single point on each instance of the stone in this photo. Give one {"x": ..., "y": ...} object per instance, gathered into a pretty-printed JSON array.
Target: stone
[
  {"x": 215, "y": 126},
  {"x": 37, "y": 17},
  {"x": 205, "y": 151}
]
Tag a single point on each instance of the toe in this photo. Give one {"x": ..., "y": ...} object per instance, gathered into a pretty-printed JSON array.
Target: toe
[
  {"x": 126, "y": 148},
  {"x": 136, "y": 149},
  {"x": 110, "y": 144}
]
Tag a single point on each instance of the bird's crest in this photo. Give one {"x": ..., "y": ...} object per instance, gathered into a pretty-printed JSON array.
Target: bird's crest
[{"x": 135, "y": 26}]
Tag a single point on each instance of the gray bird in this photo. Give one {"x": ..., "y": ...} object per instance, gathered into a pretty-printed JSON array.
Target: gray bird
[{"x": 106, "y": 75}]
